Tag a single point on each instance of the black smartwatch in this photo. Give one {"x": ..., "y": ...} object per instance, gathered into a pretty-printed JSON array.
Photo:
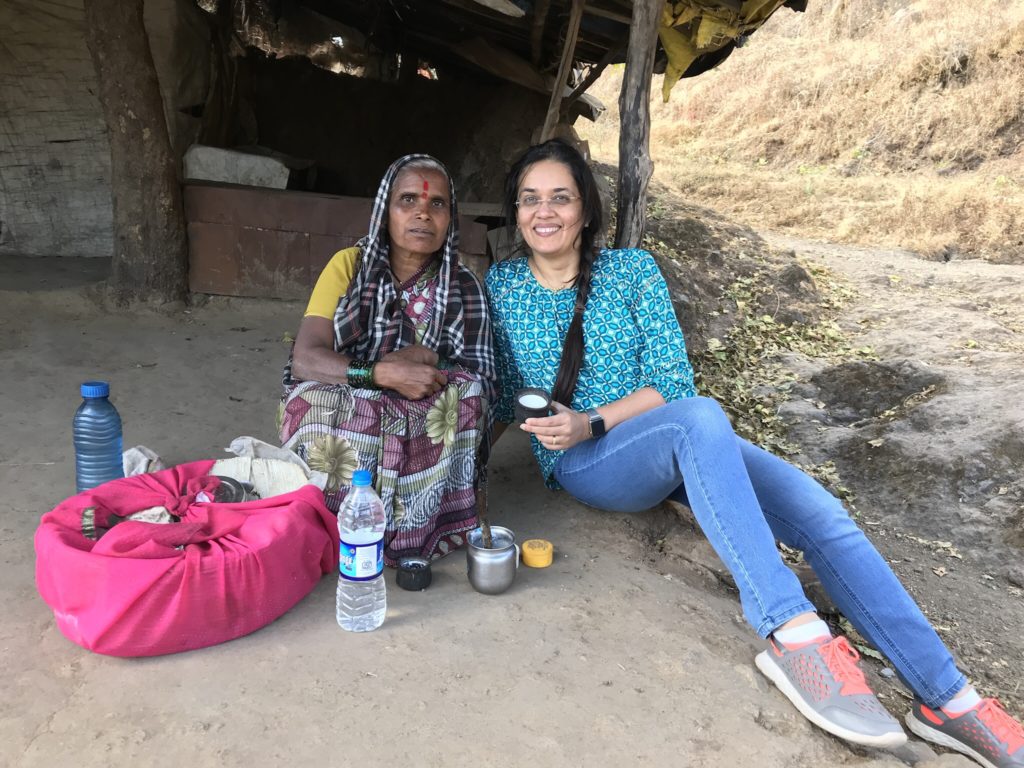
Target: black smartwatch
[{"x": 597, "y": 428}]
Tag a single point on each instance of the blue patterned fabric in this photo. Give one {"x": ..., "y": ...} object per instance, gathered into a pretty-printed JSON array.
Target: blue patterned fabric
[{"x": 630, "y": 334}]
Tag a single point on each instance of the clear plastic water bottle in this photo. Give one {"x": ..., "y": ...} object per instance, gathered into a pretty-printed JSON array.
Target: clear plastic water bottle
[
  {"x": 96, "y": 431},
  {"x": 362, "y": 596}
]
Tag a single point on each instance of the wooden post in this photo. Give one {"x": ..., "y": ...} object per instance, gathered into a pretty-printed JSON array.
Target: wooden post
[
  {"x": 563, "y": 70},
  {"x": 635, "y": 166},
  {"x": 540, "y": 16}
]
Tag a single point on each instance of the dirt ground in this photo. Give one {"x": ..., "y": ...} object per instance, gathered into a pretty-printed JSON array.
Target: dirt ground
[
  {"x": 938, "y": 475},
  {"x": 619, "y": 654}
]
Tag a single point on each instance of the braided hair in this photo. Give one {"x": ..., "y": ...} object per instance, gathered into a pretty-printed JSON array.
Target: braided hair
[{"x": 593, "y": 229}]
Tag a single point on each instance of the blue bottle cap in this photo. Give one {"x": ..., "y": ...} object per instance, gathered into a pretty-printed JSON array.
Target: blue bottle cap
[
  {"x": 361, "y": 477},
  {"x": 95, "y": 389}
]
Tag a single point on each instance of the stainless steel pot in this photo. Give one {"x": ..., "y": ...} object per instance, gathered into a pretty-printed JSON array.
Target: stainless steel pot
[{"x": 492, "y": 571}]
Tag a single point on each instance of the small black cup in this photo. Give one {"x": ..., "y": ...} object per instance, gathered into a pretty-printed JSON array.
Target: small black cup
[
  {"x": 532, "y": 411},
  {"x": 413, "y": 573}
]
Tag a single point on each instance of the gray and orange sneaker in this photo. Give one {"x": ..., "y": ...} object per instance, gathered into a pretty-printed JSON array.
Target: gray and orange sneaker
[
  {"x": 823, "y": 680},
  {"x": 988, "y": 733}
]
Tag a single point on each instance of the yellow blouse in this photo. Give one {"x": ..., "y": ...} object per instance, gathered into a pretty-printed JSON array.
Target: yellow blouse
[{"x": 333, "y": 283}]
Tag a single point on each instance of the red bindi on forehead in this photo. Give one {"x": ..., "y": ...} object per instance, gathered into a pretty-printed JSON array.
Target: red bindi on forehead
[{"x": 426, "y": 188}]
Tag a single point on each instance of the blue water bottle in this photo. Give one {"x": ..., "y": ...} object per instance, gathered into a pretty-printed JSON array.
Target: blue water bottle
[{"x": 97, "y": 436}]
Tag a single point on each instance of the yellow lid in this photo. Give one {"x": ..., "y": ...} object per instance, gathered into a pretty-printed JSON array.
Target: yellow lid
[{"x": 537, "y": 553}]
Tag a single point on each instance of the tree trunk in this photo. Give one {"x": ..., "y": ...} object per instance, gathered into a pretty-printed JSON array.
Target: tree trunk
[
  {"x": 635, "y": 166},
  {"x": 150, "y": 260}
]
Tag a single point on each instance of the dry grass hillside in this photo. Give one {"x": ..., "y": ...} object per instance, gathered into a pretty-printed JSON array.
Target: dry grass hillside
[{"x": 883, "y": 122}]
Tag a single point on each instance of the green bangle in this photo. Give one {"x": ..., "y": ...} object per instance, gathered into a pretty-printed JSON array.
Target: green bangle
[{"x": 360, "y": 375}]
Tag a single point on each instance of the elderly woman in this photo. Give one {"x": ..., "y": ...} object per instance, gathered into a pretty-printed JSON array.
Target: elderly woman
[{"x": 393, "y": 366}]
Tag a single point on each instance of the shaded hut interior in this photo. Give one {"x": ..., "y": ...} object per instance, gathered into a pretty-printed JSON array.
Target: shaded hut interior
[{"x": 333, "y": 91}]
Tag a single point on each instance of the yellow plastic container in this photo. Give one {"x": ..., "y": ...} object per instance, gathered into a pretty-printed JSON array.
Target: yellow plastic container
[{"x": 538, "y": 553}]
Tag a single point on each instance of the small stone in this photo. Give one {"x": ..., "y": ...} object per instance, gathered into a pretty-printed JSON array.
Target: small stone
[
  {"x": 754, "y": 679},
  {"x": 915, "y": 753},
  {"x": 1015, "y": 575},
  {"x": 773, "y": 721},
  {"x": 949, "y": 760},
  {"x": 887, "y": 673}
]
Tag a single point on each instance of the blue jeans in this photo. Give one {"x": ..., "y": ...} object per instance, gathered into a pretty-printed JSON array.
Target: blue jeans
[{"x": 744, "y": 498}]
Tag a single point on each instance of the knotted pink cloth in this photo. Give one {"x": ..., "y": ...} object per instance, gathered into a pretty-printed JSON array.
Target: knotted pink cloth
[{"x": 145, "y": 589}]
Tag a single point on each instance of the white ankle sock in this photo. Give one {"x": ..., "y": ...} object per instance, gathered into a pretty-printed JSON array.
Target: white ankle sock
[
  {"x": 803, "y": 633},
  {"x": 962, "y": 702}
]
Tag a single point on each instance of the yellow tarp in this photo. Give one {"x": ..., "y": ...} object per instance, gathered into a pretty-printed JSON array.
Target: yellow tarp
[{"x": 690, "y": 28}]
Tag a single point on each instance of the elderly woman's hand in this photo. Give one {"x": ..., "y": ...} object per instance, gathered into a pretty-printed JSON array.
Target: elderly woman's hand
[
  {"x": 416, "y": 353},
  {"x": 411, "y": 380}
]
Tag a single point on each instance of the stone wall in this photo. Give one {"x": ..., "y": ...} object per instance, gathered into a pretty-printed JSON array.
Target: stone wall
[
  {"x": 54, "y": 159},
  {"x": 54, "y": 155}
]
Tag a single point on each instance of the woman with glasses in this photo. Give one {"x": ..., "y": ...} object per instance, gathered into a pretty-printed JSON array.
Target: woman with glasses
[
  {"x": 393, "y": 366},
  {"x": 596, "y": 328}
]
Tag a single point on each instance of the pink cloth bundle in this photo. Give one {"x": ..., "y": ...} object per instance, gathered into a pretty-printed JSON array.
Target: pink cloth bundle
[{"x": 145, "y": 589}]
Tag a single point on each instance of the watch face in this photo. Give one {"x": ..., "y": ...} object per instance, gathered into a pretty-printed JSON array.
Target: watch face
[{"x": 596, "y": 423}]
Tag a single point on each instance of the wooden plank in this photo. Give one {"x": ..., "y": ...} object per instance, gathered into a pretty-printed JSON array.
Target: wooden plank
[
  {"x": 502, "y": 6},
  {"x": 480, "y": 209},
  {"x": 277, "y": 209},
  {"x": 635, "y": 166},
  {"x": 472, "y": 236},
  {"x": 592, "y": 75},
  {"x": 213, "y": 264},
  {"x": 557, "y": 93},
  {"x": 475, "y": 11},
  {"x": 246, "y": 241}
]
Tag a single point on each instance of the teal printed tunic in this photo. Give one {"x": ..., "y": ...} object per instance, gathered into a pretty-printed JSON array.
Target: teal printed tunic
[{"x": 631, "y": 336}]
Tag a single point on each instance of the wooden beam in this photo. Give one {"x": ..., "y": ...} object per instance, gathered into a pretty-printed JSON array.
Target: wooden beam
[
  {"x": 571, "y": 32},
  {"x": 593, "y": 10},
  {"x": 635, "y": 166},
  {"x": 502, "y": 6},
  {"x": 498, "y": 61},
  {"x": 540, "y": 17},
  {"x": 593, "y": 73}
]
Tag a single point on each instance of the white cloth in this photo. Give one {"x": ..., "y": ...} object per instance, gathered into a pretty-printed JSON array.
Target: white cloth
[{"x": 140, "y": 460}]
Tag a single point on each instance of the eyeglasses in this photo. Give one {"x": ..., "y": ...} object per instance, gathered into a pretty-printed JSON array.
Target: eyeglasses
[{"x": 533, "y": 203}]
